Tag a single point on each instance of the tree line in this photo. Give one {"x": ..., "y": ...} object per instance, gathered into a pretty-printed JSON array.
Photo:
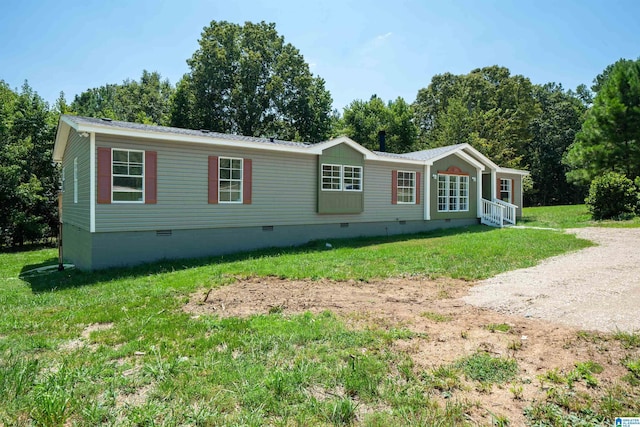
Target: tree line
[{"x": 245, "y": 79}]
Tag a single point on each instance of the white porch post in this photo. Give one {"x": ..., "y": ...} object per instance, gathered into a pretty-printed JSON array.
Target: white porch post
[
  {"x": 479, "y": 192},
  {"x": 92, "y": 182},
  {"x": 494, "y": 178},
  {"x": 427, "y": 192}
]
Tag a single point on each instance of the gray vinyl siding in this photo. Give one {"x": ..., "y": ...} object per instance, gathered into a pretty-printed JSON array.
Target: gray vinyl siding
[
  {"x": 443, "y": 165},
  {"x": 76, "y": 213},
  {"x": 284, "y": 192},
  {"x": 517, "y": 189}
]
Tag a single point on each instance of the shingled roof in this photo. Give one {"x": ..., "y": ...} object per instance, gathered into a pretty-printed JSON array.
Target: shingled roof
[{"x": 109, "y": 123}]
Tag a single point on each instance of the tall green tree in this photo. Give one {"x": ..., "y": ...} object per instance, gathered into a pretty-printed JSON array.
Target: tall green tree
[
  {"x": 487, "y": 108},
  {"x": 362, "y": 120},
  {"x": 145, "y": 101},
  {"x": 245, "y": 79},
  {"x": 28, "y": 179},
  {"x": 553, "y": 131},
  {"x": 610, "y": 136}
]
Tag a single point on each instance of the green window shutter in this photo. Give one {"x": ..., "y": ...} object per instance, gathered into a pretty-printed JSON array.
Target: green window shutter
[{"x": 418, "y": 176}]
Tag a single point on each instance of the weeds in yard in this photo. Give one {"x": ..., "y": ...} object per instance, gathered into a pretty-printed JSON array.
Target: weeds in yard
[
  {"x": 436, "y": 317},
  {"x": 157, "y": 365},
  {"x": 628, "y": 339},
  {"x": 498, "y": 327},
  {"x": 515, "y": 345},
  {"x": 484, "y": 368},
  {"x": 516, "y": 391},
  {"x": 341, "y": 411},
  {"x": 443, "y": 378},
  {"x": 583, "y": 371}
]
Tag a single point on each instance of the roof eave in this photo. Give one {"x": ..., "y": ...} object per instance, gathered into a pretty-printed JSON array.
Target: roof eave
[{"x": 62, "y": 136}]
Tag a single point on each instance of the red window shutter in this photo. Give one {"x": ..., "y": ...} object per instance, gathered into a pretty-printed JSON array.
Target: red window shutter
[
  {"x": 394, "y": 187},
  {"x": 247, "y": 174},
  {"x": 498, "y": 188},
  {"x": 104, "y": 175},
  {"x": 213, "y": 179},
  {"x": 417, "y": 188},
  {"x": 150, "y": 177}
]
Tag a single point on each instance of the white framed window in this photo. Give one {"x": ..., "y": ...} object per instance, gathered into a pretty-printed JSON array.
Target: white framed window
[
  {"x": 352, "y": 178},
  {"x": 127, "y": 167},
  {"x": 453, "y": 193},
  {"x": 341, "y": 177},
  {"x": 331, "y": 177},
  {"x": 505, "y": 190},
  {"x": 406, "y": 187},
  {"x": 75, "y": 180},
  {"x": 230, "y": 180}
]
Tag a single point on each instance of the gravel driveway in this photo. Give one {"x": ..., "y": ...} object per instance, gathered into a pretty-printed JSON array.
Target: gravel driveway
[{"x": 597, "y": 288}]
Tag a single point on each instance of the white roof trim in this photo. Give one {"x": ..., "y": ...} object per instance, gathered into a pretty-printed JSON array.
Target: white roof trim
[
  {"x": 321, "y": 146},
  {"x": 464, "y": 151},
  {"x": 459, "y": 151},
  {"x": 467, "y": 158},
  {"x": 62, "y": 136},
  {"x": 513, "y": 171}
]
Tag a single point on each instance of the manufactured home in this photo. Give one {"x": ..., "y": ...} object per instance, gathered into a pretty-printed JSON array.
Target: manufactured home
[{"x": 134, "y": 193}]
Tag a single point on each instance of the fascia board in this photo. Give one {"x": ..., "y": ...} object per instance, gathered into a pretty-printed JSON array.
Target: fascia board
[
  {"x": 62, "y": 136},
  {"x": 204, "y": 140},
  {"x": 321, "y": 146}
]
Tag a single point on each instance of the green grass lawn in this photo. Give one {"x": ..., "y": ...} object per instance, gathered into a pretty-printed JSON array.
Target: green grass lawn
[
  {"x": 569, "y": 216},
  {"x": 153, "y": 364}
]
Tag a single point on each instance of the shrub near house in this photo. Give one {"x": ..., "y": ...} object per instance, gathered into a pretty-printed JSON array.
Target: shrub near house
[{"x": 612, "y": 195}]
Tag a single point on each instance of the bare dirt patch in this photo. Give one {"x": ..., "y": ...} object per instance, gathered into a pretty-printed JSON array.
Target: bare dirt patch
[
  {"x": 82, "y": 341},
  {"x": 447, "y": 329},
  {"x": 597, "y": 288}
]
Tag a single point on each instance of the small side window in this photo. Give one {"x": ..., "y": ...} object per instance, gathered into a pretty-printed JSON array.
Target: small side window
[{"x": 75, "y": 180}]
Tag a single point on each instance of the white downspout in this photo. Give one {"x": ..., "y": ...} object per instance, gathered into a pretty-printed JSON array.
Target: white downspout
[
  {"x": 427, "y": 192},
  {"x": 92, "y": 182}
]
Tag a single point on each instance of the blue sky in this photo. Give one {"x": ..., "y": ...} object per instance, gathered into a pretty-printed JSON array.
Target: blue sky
[{"x": 388, "y": 48}]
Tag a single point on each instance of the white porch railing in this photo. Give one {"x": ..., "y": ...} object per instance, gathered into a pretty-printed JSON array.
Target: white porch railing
[
  {"x": 509, "y": 212},
  {"x": 496, "y": 213}
]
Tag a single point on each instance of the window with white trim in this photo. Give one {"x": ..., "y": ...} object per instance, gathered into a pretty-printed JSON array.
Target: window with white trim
[
  {"x": 230, "y": 180},
  {"x": 75, "y": 180},
  {"x": 127, "y": 167},
  {"x": 352, "y": 178},
  {"x": 505, "y": 190},
  {"x": 331, "y": 177},
  {"x": 453, "y": 193},
  {"x": 406, "y": 187}
]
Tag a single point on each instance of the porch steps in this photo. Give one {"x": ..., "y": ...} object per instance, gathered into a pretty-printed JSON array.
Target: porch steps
[{"x": 496, "y": 213}]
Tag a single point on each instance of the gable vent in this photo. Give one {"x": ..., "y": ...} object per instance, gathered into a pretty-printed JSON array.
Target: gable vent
[{"x": 164, "y": 233}]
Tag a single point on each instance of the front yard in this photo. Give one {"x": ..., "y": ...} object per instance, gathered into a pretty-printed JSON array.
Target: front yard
[{"x": 141, "y": 346}]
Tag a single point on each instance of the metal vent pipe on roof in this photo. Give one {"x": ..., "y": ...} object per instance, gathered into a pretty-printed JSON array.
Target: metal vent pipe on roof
[{"x": 381, "y": 139}]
